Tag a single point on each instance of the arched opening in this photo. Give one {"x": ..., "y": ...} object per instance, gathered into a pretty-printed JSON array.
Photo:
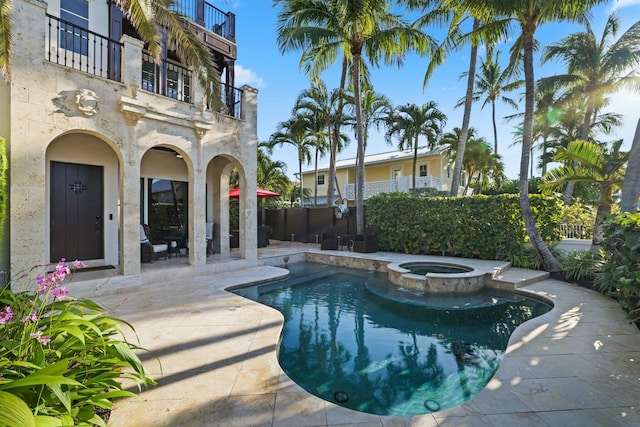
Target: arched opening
[
  {"x": 164, "y": 198},
  {"x": 83, "y": 200}
]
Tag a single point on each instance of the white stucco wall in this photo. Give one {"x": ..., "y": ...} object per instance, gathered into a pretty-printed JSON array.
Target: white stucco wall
[{"x": 47, "y": 121}]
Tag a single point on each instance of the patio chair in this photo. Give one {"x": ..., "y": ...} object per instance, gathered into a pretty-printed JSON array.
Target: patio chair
[
  {"x": 329, "y": 239},
  {"x": 151, "y": 250},
  {"x": 365, "y": 243}
]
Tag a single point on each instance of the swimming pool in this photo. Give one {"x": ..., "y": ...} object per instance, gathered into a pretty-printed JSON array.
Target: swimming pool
[{"x": 349, "y": 343}]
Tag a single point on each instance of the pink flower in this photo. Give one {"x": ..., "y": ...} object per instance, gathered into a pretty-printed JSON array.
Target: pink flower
[
  {"x": 43, "y": 339},
  {"x": 60, "y": 293},
  {"x": 79, "y": 264},
  {"x": 5, "y": 315},
  {"x": 33, "y": 317}
]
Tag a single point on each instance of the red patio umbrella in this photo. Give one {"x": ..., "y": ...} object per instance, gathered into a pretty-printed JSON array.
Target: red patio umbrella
[{"x": 260, "y": 192}]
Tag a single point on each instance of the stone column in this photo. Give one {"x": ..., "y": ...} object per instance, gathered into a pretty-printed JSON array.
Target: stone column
[
  {"x": 132, "y": 63},
  {"x": 248, "y": 202}
]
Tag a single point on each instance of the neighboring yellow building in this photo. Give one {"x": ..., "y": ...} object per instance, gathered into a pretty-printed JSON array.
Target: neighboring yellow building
[{"x": 384, "y": 172}]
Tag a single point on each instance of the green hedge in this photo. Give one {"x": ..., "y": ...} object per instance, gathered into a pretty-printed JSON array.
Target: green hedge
[
  {"x": 620, "y": 275},
  {"x": 487, "y": 227}
]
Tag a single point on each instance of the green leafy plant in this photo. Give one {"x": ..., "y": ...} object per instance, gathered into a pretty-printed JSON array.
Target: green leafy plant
[
  {"x": 60, "y": 357},
  {"x": 582, "y": 265},
  {"x": 487, "y": 227},
  {"x": 620, "y": 274}
]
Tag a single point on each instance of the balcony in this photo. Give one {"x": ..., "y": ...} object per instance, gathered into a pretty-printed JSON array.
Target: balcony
[
  {"x": 80, "y": 49},
  {"x": 83, "y": 50},
  {"x": 168, "y": 78},
  {"x": 403, "y": 184},
  {"x": 220, "y": 27}
]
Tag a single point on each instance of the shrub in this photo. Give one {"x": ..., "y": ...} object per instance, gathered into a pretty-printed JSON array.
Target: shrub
[
  {"x": 582, "y": 266},
  {"x": 60, "y": 358},
  {"x": 487, "y": 227},
  {"x": 620, "y": 275}
]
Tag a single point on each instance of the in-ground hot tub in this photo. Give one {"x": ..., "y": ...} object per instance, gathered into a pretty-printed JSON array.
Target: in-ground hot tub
[{"x": 436, "y": 277}]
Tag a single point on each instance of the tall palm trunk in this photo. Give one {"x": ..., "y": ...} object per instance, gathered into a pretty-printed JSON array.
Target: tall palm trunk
[
  {"x": 584, "y": 135},
  {"x": 495, "y": 127},
  {"x": 466, "y": 117},
  {"x": 415, "y": 164},
  {"x": 336, "y": 136},
  {"x": 604, "y": 209},
  {"x": 315, "y": 184},
  {"x": 360, "y": 154},
  {"x": 631, "y": 185},
  {"x": 549, "y": 261}
]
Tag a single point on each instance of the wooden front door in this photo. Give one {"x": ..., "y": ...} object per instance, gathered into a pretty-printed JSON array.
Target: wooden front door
[{"x": 76, "y": 212}]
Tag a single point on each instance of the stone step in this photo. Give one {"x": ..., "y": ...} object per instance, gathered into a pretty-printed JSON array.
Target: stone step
[{"x": 519, "y": 277}]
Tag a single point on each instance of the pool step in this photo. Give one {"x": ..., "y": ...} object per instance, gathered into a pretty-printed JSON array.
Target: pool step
[{"x": 515, "y": 278}]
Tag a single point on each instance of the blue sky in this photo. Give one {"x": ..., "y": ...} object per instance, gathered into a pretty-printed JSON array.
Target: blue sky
[{"x": 279, "y": 80}]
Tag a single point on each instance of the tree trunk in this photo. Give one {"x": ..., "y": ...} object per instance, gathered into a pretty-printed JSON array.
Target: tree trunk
[
  {"x": 604, "y": 209},
  {"x": 360, "y": 154},
  {"x": 315, "y": 184},
  {"x": 464, "y": 130},
  {"x": 549, "y": 261},
  {"x": 415, "y": 163},
  {"x": 495, "y": 127},
  {"x": 584, "y": 135},
  {"x": 631, "y": 185},
  {"x": 336, "y": 136}
]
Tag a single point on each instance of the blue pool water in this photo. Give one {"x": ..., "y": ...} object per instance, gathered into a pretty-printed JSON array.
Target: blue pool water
[{"x": 352, "y": 338}]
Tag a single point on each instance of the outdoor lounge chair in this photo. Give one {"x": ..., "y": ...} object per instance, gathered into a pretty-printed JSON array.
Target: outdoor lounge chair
[
  {"x": 365, "y": 243},
  {"x": 150, "y": 250},
  {"x": 329, "y": 239}
]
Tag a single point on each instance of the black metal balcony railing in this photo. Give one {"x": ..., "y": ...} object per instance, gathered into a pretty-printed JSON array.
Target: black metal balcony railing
[
  {"x": 167, "y": 78},
  {"x": 208, "y": 16},
  {"x": 78, "y": 48},
  {"x": 230, "y": 99}
]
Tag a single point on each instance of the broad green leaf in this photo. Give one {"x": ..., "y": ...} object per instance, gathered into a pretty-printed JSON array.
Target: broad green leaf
[{"x": 14, "y": 412}]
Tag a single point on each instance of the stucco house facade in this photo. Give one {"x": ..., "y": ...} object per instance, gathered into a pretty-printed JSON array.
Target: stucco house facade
[
  {"x": 101, "y": 140},
  {"x": 384, "y": 172}
]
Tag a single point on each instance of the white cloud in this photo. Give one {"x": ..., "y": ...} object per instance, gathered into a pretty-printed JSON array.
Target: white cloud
[{"x": 247, "y": 77}]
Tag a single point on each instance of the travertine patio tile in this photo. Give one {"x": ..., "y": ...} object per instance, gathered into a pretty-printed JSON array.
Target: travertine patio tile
[
  {"x": 299, "y": 410},
  {"x": 256, "y": 381},
  {"x": 337, "y": 415},
  {"x": 236, "y": 411},
  {"x": 421, "y": 421},
  {"x": 576, "y": 365}
]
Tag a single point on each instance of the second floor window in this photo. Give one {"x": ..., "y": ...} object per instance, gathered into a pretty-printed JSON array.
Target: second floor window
[
  {"x": 424, "y": 170},
  {"x": 73, "y": 34},
  {"x": 321, "y": 179}
]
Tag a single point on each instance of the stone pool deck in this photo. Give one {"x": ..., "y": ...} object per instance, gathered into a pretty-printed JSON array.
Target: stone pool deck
[{"x": 213, "y": 354}]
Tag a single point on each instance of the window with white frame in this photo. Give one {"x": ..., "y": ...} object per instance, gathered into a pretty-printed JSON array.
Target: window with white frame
[
  {"x": 423, "y": 170},
  {"x": 73, "y": 32},
  {"x": 321, "y": 179}
]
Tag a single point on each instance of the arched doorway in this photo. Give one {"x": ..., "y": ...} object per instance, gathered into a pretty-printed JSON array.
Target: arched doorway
[{"x": 83, "y": 199}]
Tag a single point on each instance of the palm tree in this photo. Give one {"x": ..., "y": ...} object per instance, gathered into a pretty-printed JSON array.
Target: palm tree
[
  {"x": 631, "y": 186},
  {"x": 5, "y": 37},
  {"x": 271, "y": 173},
  {"x": 295, "y": 132},
  {"x": 408, "y": 122},
  {"x": 595, "y": 69},
  {"x": 359, "y": 29},
  {"x": 528, "y": 15},
  {"x": 492, "y": 82},
  {"x": 324, "y": 106},
  {"x": 151, "y": 19},
  {"x": 376, "y": 108},
  {"x": 590, "y": 162},
  {"x": 446, "y": 13}
]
